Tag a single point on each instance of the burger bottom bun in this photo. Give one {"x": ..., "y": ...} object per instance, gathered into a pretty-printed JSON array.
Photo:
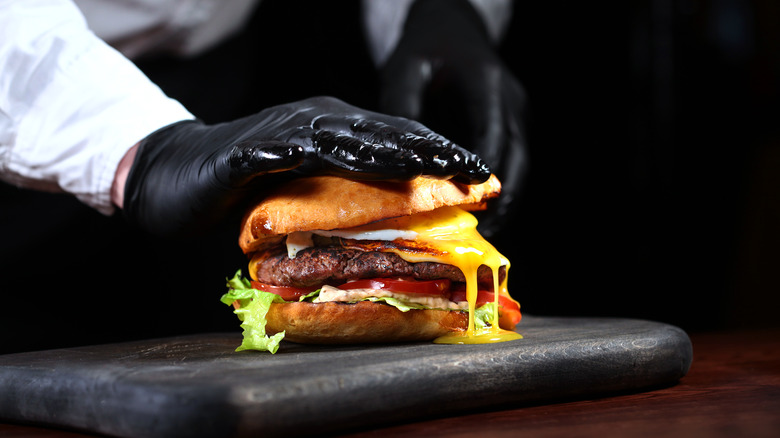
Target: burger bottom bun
[{"x": 361, "y": 322}]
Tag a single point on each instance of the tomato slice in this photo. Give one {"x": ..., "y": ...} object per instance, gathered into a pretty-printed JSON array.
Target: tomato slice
[
  {"x": 435, "y": 288},
  {"x": 288, "y": 293}
]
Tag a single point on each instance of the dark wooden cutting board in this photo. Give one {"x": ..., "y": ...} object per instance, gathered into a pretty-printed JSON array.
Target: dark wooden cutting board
[{"x": 199, "y": 386}]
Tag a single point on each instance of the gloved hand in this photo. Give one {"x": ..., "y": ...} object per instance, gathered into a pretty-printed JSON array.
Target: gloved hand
[
  {"x": 445, "y": 72},
  {"x": 188, "y": 176}
]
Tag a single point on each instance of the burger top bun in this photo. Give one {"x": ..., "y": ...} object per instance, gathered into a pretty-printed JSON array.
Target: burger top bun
[{"x": 330, "y": 202}]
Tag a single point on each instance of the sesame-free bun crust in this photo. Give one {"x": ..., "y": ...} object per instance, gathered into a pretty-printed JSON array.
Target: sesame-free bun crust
[
  {"x": 330, "y": 202},
  {"x": 361, "y": 322}
]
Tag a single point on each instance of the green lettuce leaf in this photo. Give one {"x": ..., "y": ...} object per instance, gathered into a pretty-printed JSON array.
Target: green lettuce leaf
[
  {"x": 254, "y": 306},
  {"x": 398, "y": 304},
  {"x": 310, "y": 296},
  {"x": 483, "y": 316}
]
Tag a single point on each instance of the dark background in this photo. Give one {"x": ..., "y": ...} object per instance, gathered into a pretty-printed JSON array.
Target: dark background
[{"x": 652, "y": 191}]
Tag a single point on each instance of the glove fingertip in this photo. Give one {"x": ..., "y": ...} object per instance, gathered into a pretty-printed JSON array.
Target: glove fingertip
[
  {"x": 474, "y": 171},
  {"x": 250, "y": 159},
  {"x": 282, "y": 156}
]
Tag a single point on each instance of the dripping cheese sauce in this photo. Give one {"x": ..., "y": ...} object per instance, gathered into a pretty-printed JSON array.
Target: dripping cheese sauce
[{"x": 452, "y": 233}]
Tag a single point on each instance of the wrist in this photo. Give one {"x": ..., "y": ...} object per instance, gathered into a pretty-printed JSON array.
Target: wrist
[{"x": 120, "y": 176}]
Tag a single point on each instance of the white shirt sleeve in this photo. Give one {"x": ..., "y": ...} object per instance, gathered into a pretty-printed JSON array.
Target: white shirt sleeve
[
  {"x": 179, "y": 27},
  {"x": 70, "y": 105},
  {"x": 383, "y": 21}
]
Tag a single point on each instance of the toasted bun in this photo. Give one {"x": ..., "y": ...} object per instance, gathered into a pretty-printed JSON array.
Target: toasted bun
[
  {"x": 361, "y": 322},
  {"x": 329, "y": 202}
]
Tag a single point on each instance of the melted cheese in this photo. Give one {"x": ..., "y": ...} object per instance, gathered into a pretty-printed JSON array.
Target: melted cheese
[
  {"x": 453, "y": 233},
  {"x": 297, "y": 241}
]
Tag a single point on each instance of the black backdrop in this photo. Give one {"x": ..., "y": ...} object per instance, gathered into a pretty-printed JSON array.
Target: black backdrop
[{"x": 651, "y": 192}]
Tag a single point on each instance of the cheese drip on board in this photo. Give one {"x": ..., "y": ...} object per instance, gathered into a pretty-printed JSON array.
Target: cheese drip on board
[{"x": 450, "y": 234}]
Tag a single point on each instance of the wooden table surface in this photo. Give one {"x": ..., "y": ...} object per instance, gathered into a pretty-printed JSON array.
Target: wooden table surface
[{"x": 732, "y": 390}]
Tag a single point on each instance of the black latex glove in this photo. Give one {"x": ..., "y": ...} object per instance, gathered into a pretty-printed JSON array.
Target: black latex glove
[
  {"x": 188, "y": 176},
  {"x": 445, "y": 72}
]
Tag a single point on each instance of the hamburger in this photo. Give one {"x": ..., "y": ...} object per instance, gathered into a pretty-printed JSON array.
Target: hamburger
[{"x": 337, "y": 261}]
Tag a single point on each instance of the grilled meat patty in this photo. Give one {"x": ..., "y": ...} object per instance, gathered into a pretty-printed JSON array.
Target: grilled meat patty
[{"x": 315, "y": 266}]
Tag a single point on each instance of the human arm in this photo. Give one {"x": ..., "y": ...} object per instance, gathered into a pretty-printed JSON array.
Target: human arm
[
  {"x": 70, "y": 105},
  {"x": 95, "y": 127}
]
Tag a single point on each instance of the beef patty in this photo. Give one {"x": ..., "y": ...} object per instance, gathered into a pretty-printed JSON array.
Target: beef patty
[{"x": 315, "y": 266}]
